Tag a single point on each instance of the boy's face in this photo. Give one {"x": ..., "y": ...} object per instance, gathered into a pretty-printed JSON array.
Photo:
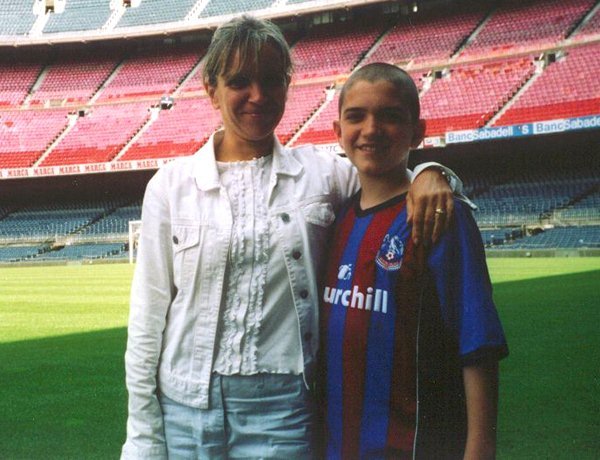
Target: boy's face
[{"x": 376, "y": 129}]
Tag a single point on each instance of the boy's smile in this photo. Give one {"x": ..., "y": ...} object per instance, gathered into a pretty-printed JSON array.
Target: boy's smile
[{"x": 376, "y": 129}]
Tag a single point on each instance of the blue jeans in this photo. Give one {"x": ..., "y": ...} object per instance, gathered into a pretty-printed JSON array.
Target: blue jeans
[{"x": 251, "y": 417}]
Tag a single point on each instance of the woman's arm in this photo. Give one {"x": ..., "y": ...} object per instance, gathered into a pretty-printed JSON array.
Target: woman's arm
[
  {"x": 481, "y": 390},
  {"x": 151, "y": 293}
]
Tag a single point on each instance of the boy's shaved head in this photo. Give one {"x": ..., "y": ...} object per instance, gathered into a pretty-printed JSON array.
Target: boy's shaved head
[{"x": 388, "y": 72}]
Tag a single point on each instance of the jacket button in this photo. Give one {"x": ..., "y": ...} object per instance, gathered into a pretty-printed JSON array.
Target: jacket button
[
  {"x": 175, "y": 240},
  {"x": 296, "y": 254},
  {"x": 304, "y": 293},
  {"x": 285, "y": 217}
]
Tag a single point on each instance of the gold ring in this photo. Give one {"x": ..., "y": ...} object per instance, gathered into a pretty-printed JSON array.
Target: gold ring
[{"x": 440, "y": 211}]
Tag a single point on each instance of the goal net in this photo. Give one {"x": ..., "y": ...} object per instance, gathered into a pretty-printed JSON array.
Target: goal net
[{"x": 135, "y": 226}]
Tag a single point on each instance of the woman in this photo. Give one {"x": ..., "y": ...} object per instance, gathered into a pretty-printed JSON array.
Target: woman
[{"x": 223, "y": 324}]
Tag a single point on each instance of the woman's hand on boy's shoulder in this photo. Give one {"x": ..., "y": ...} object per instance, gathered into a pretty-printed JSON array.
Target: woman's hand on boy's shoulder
[{"x": 430, "y": 206}]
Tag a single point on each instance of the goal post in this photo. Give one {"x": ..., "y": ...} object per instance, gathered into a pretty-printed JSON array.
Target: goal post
[{"x": 135, "y": 226}]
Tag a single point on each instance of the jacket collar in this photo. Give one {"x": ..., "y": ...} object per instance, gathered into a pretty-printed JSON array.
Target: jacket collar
[{"x": 206, "y": 174}]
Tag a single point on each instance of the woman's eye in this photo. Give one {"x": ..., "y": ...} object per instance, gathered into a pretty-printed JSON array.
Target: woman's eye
[{"x": 239, "y": 82}]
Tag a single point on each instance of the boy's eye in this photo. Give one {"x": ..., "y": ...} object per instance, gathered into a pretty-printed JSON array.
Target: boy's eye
[
  {"x": 393, "y": 116},
  {"x": 272, "y": 81},
  {"x": 353, "y": 116},
  {"x": 397, "y": 116}
]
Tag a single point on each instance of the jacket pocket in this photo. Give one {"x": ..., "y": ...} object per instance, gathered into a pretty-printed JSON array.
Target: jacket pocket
[
  {"x": 320, "y": 214},
  {"x": 318, "y": 219},
  {"x": 186, "y": 245}
]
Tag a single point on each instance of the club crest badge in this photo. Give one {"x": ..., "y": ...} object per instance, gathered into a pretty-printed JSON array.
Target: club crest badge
[
  {"x": 391, "y": 253},
  {"x": 345, "y": 272}
]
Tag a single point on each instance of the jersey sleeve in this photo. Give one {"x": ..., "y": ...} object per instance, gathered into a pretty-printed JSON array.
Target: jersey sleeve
[{"x": 464, "y": 290}]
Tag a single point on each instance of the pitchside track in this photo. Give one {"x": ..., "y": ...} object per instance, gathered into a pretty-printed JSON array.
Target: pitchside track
[{"x": 62, "y": 339}]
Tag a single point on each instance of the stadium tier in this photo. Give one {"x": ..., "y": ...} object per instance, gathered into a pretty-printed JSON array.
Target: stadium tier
[
  {"x": 79, "y": 15},
  {"x": 27, "y": 134},
  {"x": 468, "y": 97},
  {"x": 16, "y": 17},
  {"x": 109, "y": 87},
  {"x": 302, "y": 101},
  {"x": 156, "y": 12},
  {"x": 152, "y": 73},
  {"x": 557, "y": 237},
  {"x": 84, "y": 251},
  {"x": 587, "y": 209},
  {"x": 520, "y": 25},
  {"x": 171, "y": 133},
  {"x": 69, "y": 218},
  {"x": 72, "y": 79},
  {"x": 98, "y": 136},
  {"x": 16, "y": 81},
  {"x": 19, "y": 253},
  {"x": 223, "y": 7},
  {"x": 592, "y": 26},
  {"x": 411, "y": 39},
  {"x": 477, "y": 65},
  {"x": 320, "y": 131},
  {"x": 566, "y": 88},
  {"x": 331, "y": 51}
]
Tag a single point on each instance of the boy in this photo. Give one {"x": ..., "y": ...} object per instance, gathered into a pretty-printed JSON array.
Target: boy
[{"x": 411, "y": 343}]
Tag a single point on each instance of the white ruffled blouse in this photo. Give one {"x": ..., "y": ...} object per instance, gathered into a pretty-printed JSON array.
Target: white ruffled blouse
[{"x": 258, "y": 328}]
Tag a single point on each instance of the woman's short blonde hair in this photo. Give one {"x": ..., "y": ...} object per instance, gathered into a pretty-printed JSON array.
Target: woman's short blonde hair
[{"x": 243, "y": 36}]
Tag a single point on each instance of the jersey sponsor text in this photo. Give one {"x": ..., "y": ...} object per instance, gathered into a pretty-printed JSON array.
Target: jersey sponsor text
[{"x": 373, "y": 299}]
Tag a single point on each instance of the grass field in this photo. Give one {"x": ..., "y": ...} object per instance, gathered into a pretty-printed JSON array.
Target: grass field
[{"x": 62, "y": 339}]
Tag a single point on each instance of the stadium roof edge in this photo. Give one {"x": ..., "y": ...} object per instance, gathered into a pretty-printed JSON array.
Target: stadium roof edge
[{"x": 173, "y": 28}]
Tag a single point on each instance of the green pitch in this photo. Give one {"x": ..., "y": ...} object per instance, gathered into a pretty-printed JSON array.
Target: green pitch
[{"x": 62, "y": 339}]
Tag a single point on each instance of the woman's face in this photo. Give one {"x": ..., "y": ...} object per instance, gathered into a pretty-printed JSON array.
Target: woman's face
[{"x": 252, "y": 99}]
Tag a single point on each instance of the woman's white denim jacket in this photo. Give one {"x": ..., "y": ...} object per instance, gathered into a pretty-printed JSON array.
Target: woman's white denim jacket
[{"x": 177, "y": 288}]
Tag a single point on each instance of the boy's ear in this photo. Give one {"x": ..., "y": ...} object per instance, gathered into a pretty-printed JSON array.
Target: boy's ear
[{"x": 418, "y": 133}]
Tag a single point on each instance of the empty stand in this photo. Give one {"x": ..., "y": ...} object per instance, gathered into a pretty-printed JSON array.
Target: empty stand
[
  {"x": 16, "y": 17},
  {"x": 79, "y": 15},
  {"x": 69, "y": 216},
  {"x": 586, "y": 209},
  {"x": 222, "y": 7},
  {"x": 44, "y": 223},
  {"x": 411, "y": 38},
  {"x": 302, "y": 102},
  {"x": 527, "y": 202},
  {"x": 179, "y": 131},
  {"x": 320, "y": 130},
  {"x": 154, "y": 73},
  {"x": 100, "y": 135},
  {"x": 156, "y": 12},
  {"x": 331, "y": 51},
  {"x": 19, "y": 253},
  {"x": 193, "y": 84},
  {"x": 27, "y": 134},
  {"x": 16, "y": 79},
  {"x": 516, "y": 25},
  {"x": 551, "y": 238},
  {"x": 592, "y": 26},
  {"x": 567, "y": 88},
  {"x": 467, "y": 97},
  {"x": 84, "y": 251},
  {"x": 115, "y": 222},
  {"x": 73, "y": 79}
]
